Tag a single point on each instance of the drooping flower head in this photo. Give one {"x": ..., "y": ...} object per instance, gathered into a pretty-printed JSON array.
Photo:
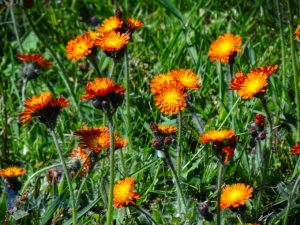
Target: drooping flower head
[
  {"x": 296, "y": 149},
  {"x": 12, "y": 172},
  {"x": 297, "y": 32},
  {"x": 187, "y": 78},
  {"x": 80, "y": 47},
  {"x": 110, "y": 24},
  {"x": 97, "y": 138},
  {"x": 124, "y": 194},
  {"x": 44, "y": 108},
  {"x": 80, "y": 159},
  {"x": 104, "y": 93},
  {"x": 225, "y": 48},
  {"x": 235, "y": 195},
  {"x": 253, "y": 83}
]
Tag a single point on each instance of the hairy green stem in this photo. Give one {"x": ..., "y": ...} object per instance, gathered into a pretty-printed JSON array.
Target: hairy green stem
[
  {"x": 179, "y": 133},
  {"x": 143, "y": 211},
  {"x": 219, "y": 185},
  {"x": 23, "y": 91},
  {"x": 294, "y": 65},
  {"x": 67, "y": 175},
  {"x": 110, "y": 209},
  {"x": 13, "y": 18},
  {"x": 240, "y": 220}
]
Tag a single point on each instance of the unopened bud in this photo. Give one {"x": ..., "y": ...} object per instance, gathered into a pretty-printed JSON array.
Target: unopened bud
[
  {"x": 204, "y": 211},
  {"x": 262, "y": 135},
  {"x": 253, "y": 132}
]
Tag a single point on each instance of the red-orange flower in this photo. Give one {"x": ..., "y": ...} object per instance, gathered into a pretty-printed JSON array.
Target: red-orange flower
[
  {"x": 124, "y": 194},
  {"x": 44, "y": 108},
  {"x": 80, "y": 47},
  {"x": 112, "y": 41},
  {"x": 11, "y": 172},
  {"x": 229, "y": 152},
  {"x": 297, "y": 32},
  {"x": 35, "y": 58},
  {"x": 225, "y": 47},
  {"x": 187, "y": 78},
  {"x": 98, "y": 87},
  {"x": 235, "y": 195},
  {"x": 134, "y": 23},
  {"x": 296, "y": 149},
  {"x": 83, "y": 158},
  {"x": 110, "y": 24},
  {"x": 268, "y": 70},
  {"x": 237, "y": 81},
  {"x": 216, "y": 136}
]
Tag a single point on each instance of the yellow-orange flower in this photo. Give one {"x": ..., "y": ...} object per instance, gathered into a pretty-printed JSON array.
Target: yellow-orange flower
[
  {"x": 112, "y": 41},
  {"x": 157, "y": 83},
  {"x": 80, "y": 47},
  {"x": 166, "y": 129},
  {"x": 134, "y": 23},
  {"x": 235, "y": 195},
  {"x": 110, "y": 24},
  {"x": 268, "y": 70},
  {"x": 83, "y": 157},
  {"x": 237, "y": 81},
  {"x": 12, "y": 171},
  {"x": 98, "y": 87},
  {"x": 44, "y": 107},
  {"x": 187, "y": 78},
  {"x": 225, "y": 47},
  {"x": 216, "y": 136},
  {"x": 297, "y": 32},
  {"x": 171, "y": 99},
  {"x": 124, "y": 193},
  {"x": 296, "y": 149},
  {"x": 35, "y": 58}
]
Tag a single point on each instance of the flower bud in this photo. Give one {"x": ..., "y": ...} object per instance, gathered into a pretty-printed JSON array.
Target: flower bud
[
  {"x": 262, "y": 135},
  {"x": 204, "y": 211}
]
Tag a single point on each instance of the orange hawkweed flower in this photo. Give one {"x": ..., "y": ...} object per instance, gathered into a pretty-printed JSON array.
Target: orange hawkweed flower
[
  {"x": 98, "y": 87},
  {"x": 296, "y": 149},
  {"x": 237, "y": 81},
  {"x": 124, "y": 193},
  {"x": 157, "y": 83},
  {"x": 171, "y": 99},
  {"x": 12, "y": 172},
  {"x": 229, "y": 152},
  {"x": 79, "y": 155},
  {"x": 166, "y": 129},
  {"x": 110, "y": 24},
  {"x": 225, "y": 47},
  {"x": 37, "y": 59},
  {"x": 112, "y": 41},
  {"x": 235, "y": 195},
  {"x": 80, "y": 47},
  {"x": 297, "y": 32},
  {"x": 44, "y": 108},
  {"x": 187, "y": 78},
  {"x": 216, "y": 136},
  {"x": 134, "y": 23},
  {"x": 265, "y": 69}
]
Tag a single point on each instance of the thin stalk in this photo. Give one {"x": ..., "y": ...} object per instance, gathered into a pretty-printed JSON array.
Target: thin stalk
[
  {"x": 219, "y": 71},
  {"x": 92, "y": 59},
  {"x": 63, "y": 73},
  {"x": 146, "y": 213},
  {"x": 13, "y": 18},
  {"x": 195, "y": 119},
  {"x": 179, "y": 133},
  {"x": 67, "y": 175},
  {"x": 111, "y": 171},
  {"x": 240, "y": 220},
  {"x": 294, "y": 65},
  {"x": 112, "y": 68},
  {"x": 23, "y": 91},
  {"x": 231, "y": 93},
  {"x": 219, "y": 185},
  {"x": 127, "y": 97},
  {"x": 285, "y": 221},
  {"x": 180, "y": 195}
]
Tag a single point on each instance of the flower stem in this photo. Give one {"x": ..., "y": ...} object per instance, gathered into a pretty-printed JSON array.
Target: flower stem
[
  {"x": 180, "y": 199},
  {"x": 285, "y": 221},
  {"x": 294, "y": 65},
  {"x": 111, "y": 171},
  {"x": 231, "y": 93},
  {"x": 179, "y": 131},
  {"x": 92, "y": 59},
  {"x": 13, "y": 18},
  {"x": 66, "y": 172},
  {"x": 127, "y": 97},
  {"x": 219, "y": 185},
  {"x": 240, "y": 220},
  {"x": 23, "y": 91},
  {"x": 143, "y": 211}
]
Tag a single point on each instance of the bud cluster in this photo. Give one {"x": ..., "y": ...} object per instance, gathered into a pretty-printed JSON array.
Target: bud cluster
[
  {"x": 162, "y": 140},
  {"x": 257, "y": 130}
]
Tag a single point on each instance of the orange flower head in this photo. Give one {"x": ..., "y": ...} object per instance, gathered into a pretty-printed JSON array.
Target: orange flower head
[
  {"x": 80, "y": 47},
  {"x": 43, "y": 107},
  {"x": 296, "y": 149},
  {"x": 134, "y": 23},
  {"x": 237, "y": 81},
  {"x": 119, "y": 142},
  {"x": 235, "y": 195},
  {"x": 217, "y": 136},
  {"x": 36, "y": 59},
  {"x": 112, "y": 41},
  {"x": 158, "y": 82},
  {"x": 98, "y": 87},
  {"x": 225, "y": 47},
  {"x": 297, "y": 32},
  {"x": 110, "y": 24},
  {"x": 166, "y": 129},
  {"x": 12, "y": 172},
  {"x": 79, "y": 155},
  {"x": 93, "y": 35},
  {"x": 124, "y": 194},
  {"x": 228, "y": 153},
  {"x": 268, "y": 70},
  {"x": 187, "y": 78},
  {"x": 171, "y": 99}
]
